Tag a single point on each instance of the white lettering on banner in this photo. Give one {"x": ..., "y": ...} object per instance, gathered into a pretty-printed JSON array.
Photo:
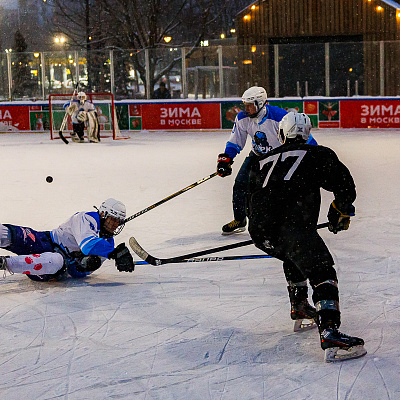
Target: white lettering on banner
[
  {"x": 178, "y": 112},
  {"x": 374, "y": 110},
  {"x": 388, "y": 109},
  {"x": 178, "y": 122},
  {"x": 379, "y": 110},
  {"x": 5, "y": 114},
  {"x": 364, "y": 110}
]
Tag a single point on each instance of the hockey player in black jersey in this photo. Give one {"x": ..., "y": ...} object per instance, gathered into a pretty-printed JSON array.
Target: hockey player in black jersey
[{"x": 284, "y": 205}]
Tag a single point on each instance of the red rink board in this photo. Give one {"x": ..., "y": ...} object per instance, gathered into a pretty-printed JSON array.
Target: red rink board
[
  {"x": 370, "y": 114},
  {"x": 181, "y": 116},
  {"x": 15, "y": 116}
]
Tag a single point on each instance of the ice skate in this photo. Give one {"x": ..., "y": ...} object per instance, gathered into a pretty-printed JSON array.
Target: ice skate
[
  {"x": 301, "y": 311},
  {"x": 340, "y": 347},
  {"x": 77, "y": 139},
  {"x": 3, "y": 263},
  {"x": 234, "y": 227}
]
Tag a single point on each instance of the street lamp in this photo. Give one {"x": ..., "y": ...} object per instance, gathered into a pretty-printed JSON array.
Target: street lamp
[
  {"x": 60, "y": 40},
  {"x": 167, "y": 39}
]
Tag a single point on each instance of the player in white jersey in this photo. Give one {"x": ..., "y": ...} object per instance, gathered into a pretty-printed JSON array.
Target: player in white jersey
[
  {"x": 83, "y": 111},
  {"x": 78, "y": 246},
  {"x": 260, "y": 121}
]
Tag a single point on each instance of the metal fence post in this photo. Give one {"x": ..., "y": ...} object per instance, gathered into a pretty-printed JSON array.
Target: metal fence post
[
  {"x": 147, "y": 60},
  {"x": 76, "y": 67},
  {"x": 327, "y": 72},
  {"x": 220, "y": 71},
  {"x": 112, "y": 82},
  {"x": 9, "y": 73},
  {"x": 43, "y": 75},
  {"x": 183, "y": 77},
  {"x": 382, "y": 68},
  {"x": 276, "y": 64}
]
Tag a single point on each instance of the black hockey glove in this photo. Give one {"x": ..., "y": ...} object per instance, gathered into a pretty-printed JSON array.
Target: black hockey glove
[
  {"x": 89, "y": 264},
  {"x": 123, "y": 258},
  {"x": 339, "y": 219},
  {"x": 224, "y": 165}
]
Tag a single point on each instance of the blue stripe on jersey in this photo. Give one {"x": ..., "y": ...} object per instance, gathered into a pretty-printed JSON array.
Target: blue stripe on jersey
[
  {"x": 96, "y": 217},
  {"x": 275, "y": 113},
  {"x": 232, "y": 149},
  {"x": 312, "y": 141},
  {"x": 96, "y": 246},
  {"x": 241, "y": 115}
]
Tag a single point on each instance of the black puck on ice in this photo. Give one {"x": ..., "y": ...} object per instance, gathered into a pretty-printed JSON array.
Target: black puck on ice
[{"x": 49, "y": 179}]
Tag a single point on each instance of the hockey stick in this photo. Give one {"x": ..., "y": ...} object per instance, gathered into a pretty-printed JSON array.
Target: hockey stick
[
  {"x": 207, "y": 259},
  {"x": 144, "y": 255},
  {"x": 64, "y": 121},
  {"x": 170, "y": 197}
]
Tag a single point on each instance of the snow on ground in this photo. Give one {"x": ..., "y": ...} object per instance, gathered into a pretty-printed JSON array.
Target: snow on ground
[{"x": 217, "y": 330}]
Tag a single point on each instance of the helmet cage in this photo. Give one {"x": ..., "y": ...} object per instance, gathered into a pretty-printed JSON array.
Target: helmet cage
[
  {"x": 255, "y": 95},
  {"x": 115, "y": 209},
  {"x": 81, "y": 97}
]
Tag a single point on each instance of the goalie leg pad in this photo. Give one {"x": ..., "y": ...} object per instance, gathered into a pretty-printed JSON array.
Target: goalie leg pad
[{"x": 93, "y": 127}]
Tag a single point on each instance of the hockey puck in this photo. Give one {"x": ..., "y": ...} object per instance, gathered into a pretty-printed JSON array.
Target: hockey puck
[{"x": 49, "y": 179}]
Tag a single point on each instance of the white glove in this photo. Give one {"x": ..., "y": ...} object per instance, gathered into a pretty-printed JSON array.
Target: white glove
[
  {"x": 81, "y": 116},
  {"x": 71, "y": 108}
]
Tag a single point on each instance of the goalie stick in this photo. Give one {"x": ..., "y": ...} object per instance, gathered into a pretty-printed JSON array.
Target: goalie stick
[
  {"x": 144, "y": 255},
  {"x": 64, "y": 121},
  {"x": 170, "y": 197}
]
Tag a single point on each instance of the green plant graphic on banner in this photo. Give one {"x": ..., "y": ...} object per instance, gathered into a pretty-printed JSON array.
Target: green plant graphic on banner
[{"x": 229, "y": 110}]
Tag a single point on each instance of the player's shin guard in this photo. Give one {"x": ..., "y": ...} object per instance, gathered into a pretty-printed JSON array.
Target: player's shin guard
[
  {"x": 35, "y": 264},
  {"x": 300, "y": 310}
]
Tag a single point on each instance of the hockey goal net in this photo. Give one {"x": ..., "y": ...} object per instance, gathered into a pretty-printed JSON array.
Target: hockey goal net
[{"x": 105, "y": 107}]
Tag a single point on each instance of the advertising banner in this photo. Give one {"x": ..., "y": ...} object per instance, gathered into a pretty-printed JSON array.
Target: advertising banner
[
  {"x": 14, "y": 118},
  {"x": 181, "y": 116},
  {"x": 229, "y": 110},
  {"x": 370, "y": 113}
]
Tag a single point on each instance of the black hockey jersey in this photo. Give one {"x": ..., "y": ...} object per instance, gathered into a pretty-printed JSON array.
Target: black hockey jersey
[{"x": 284, "y": 187}]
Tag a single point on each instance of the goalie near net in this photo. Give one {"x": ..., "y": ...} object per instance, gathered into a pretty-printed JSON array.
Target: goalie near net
[{"x": 106, "y": 114}]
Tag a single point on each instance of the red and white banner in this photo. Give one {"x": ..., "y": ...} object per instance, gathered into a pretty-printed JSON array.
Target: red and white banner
[
  {"x": 370, "y": 114},
  {"x": 15, "y": 118},
  {"x": 181, "y": 116}
]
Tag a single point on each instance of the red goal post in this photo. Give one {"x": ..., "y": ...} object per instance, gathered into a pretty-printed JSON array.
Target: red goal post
[{"x": 105, "y": 107}]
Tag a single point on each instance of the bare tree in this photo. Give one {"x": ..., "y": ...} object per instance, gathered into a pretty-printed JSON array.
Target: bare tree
[{"x": 140, "y": 25}]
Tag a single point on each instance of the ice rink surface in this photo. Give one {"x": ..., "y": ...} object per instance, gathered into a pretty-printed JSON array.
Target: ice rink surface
[{"x": 206, "y": 331}]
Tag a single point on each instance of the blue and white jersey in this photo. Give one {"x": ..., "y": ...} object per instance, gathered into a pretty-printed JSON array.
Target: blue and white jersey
[
  {"x": 81, "y": 233},
  {"x": 263, "y": 131},
  {"x": 86, "y": 106},
  {"x": 266, "y": 123}
]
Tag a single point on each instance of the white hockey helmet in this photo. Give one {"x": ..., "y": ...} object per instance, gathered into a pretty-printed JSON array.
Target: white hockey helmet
[
  {"x": 294, "y": 124},
  {"x": 257, "y": 96},
  {"x": 81, "y": 97},
  {"x": 112, "y": 208}
]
